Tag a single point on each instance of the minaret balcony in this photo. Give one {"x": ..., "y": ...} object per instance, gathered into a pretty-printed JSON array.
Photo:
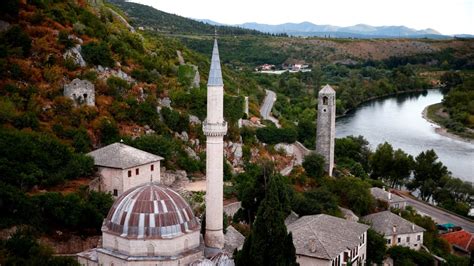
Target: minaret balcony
[{"x": 214, "y": 129}]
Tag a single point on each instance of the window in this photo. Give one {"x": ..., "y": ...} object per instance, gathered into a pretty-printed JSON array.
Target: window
[
  {"x": 389, "y": 241},
  {"x": 152, "y": 167},
  {"x": 129, "y": 173},
  {"x": 418, "y": 237},
  {"x": 416, "y": 245},
  {"x": 408, "y": 239},
  {"x": 399, "y": 240},
  {"x": 137, "y": 171},
  {"x": 325, "y": 100},
  {"x": 115, "y": 192}
]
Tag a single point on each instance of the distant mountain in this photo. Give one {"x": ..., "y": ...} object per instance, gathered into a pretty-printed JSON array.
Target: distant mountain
[
  {"x": 356, "y": 31},
  {"x": 151, "y": 18},
  {"x": 310, "y": 29}
]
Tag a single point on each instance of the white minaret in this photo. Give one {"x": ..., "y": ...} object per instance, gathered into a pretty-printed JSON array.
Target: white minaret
[
  {"x": 214, "y": 127},
  {"x": 326, "y": 126}
]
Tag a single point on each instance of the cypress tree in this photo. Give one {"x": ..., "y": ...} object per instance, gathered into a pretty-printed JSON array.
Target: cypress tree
[{"x": 268, "y": 242}]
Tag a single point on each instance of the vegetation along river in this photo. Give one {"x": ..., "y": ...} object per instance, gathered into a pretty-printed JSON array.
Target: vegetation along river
[{"x": 398, "y": 120}]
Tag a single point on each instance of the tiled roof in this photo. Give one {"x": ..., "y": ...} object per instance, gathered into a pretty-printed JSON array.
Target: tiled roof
[
  {"x": 381, "y": 194},
  {"x": 150, "y": 211},
  {"x": 215, "y": 73},
  {"x": 462, "y": 239},
  {"x": 324, "y": 236},
  {"x": 121, "y": 156},
  {"x": 384, "y": 223}
]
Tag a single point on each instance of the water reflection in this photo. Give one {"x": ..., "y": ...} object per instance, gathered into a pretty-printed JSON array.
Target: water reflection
[{"x": 398, "y": 121}]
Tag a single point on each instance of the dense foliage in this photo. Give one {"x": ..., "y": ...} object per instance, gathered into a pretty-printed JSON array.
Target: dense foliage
[
  {"x": 313, "y": 164},
  {"x": 269, "y": 243},
  {"x": 39, "y": 159},
  {"x": 82, "y": 212},
  {"x": 274, "y": 135}
]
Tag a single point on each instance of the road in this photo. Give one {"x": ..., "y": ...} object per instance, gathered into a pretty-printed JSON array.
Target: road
[
  {"x": 266, "y": 108},
  {"x": 439, "y": 216}
]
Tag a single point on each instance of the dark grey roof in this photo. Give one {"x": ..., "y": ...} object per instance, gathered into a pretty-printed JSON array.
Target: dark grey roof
[
  {"x": 381, "y": 194},
  {"x": 324, "y": 236},
  {"x": 119, "y": 155},
  {"x": 215, "y": 73},
  {"x": 384, "y": 222}
]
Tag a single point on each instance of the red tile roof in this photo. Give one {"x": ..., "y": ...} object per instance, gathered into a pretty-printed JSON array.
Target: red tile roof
[{"x": 462, "y": 239}]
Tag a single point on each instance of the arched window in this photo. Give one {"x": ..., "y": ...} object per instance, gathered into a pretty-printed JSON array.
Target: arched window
[
  {"x": 150, "y": 250},
  {"x": 325, "y": 100}
]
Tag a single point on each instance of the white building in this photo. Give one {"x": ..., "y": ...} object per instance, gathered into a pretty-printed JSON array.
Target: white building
[
  {"x": 393, "y": 200},
  {"x": 147, "y": 225},
  {"x": 330, "y": 241},
  {"x": 396, "y": 230},
  {"x": 122, "y": 167}
]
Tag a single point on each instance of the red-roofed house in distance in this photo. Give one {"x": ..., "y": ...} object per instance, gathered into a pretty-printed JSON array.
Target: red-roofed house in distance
[{"x": 462, "y": 241}]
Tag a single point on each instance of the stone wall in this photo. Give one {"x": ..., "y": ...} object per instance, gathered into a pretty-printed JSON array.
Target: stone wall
[{"x": 80, "y": 91}]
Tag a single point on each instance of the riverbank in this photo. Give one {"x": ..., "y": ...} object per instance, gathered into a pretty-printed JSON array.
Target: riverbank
[
  {"x": 377, "y": 98},
  {"x": 441, "y": 130}
]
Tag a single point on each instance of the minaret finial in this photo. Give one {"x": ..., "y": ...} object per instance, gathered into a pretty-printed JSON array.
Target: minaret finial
[{"x": 215, "y": 32}]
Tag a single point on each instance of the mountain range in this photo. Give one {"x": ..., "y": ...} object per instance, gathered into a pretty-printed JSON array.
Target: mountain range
[{"x": 356, "y": 31}]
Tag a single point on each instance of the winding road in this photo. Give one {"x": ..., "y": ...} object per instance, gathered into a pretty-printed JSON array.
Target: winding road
[{"x": 266, "y": 108}]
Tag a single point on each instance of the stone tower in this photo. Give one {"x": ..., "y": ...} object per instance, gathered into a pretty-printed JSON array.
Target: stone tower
[
  {"x": 214, "y": 127},
  {"x": 326, "y": 131}
]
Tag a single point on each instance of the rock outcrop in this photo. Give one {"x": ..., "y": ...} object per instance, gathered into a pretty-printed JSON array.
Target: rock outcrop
[{"x": 81, "y": 92}]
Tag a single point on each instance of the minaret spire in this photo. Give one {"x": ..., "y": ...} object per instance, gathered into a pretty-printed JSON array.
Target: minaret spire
[{"x": 215, "y": 127}]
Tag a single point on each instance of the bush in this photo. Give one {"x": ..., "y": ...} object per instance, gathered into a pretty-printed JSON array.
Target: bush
[
  {"x": 174, "y": 120},
  {"x": 98, "y": 54},
  {"x": 313, "y": 164},
  {"x": 273, "y": 135},
  {"x": 15, "y": 37}
]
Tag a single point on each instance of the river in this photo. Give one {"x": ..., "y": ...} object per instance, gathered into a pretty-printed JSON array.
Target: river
[{"x": 398, "y": 121}]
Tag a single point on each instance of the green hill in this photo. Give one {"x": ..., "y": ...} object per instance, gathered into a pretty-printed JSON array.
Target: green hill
[{"x": 150, "y": 18}]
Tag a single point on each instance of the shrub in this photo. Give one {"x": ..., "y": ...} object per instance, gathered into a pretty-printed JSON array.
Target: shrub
[
  {"x": 16, "y": 37},
  {"x": 98, "y": 54},
  {"x": 273, "y": 135},
  {"x": 313, "y": 164}
]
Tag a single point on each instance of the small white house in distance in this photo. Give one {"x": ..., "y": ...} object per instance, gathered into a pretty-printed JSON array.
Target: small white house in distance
[
  {"x": 122, "y": 167},
  {"x": 396, "y": 230},
  {"x": 393, "y": 200},
  {"x": 330, "y": 241}
]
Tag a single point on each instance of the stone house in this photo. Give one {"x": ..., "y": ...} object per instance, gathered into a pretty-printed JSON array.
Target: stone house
[
  {"x": 396, "y": 230},
  {"x": 81, "y": 92},
  {"x": 393, "y": 200},
  {"x": 326, "y": 240},
  {"x": 122, "y": 167}
]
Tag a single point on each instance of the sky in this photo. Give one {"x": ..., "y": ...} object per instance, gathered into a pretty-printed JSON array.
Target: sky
[{"x": 446, "y": 16}]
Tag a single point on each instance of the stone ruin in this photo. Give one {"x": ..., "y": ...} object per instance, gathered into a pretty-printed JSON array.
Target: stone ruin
[{"x": 81, "y": 92}]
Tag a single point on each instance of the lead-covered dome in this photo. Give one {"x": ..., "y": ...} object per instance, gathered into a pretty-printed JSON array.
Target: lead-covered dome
[{"x": 150, "y": 211}]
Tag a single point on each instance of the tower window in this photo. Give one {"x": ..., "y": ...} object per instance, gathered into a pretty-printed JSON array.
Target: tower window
[
  {"x": 325, "y": 100},
  {"x": 115, "y": 192},
  {"x": 324, "y": 110}
]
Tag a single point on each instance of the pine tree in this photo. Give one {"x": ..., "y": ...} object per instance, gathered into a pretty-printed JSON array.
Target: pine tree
[{"x": 268, "y": 242}]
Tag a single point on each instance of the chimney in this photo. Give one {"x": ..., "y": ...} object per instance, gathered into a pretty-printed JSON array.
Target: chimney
[
  {"x": 394, "y": 229},
  {"x": 389, "y": 195},
  {"x": 413, "y": 227}
]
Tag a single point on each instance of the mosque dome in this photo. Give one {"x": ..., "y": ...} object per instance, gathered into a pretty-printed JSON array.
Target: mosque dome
[{"x": 150, "y": 211}]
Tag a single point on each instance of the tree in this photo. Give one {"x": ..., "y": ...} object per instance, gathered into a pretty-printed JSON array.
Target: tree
[
  {"x": 402, "y": 166},
  {"x": 319, "y": 200},
  {"x": 98, "y": 54},
  {"x": 375, "y": 247},
  {"x": 427, "y": 174},
  {"x": 353, "y": 193},
  {"x": 269, "y": 243},
  {"x": 313, "y": 164},
  {"x": 381, "y": 161}
]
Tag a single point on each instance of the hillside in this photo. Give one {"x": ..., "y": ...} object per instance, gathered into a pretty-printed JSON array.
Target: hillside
[{"x": 162, "y": 22}]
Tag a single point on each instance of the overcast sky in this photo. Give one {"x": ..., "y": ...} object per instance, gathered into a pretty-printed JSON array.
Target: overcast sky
[{"x": 445, "y": 16}]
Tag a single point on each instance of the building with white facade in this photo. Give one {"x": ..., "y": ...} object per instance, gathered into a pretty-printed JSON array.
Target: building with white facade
[
  {"x": 393, "y": 200},
  {"x": 330, "y": 241},
  {"x": 396, "y": 230},
  {"x": 122, "y": 167},
  {"x": 147, "y": 225}
]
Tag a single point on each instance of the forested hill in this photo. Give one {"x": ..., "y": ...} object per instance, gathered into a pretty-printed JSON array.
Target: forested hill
[{"x": 151, "y": 18}]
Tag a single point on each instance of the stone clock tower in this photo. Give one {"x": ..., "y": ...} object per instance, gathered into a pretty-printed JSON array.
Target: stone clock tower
[{"x": 326, "y": 127}]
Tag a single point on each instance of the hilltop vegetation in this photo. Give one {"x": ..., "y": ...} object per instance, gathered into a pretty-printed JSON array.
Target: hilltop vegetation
[{"x": 156, "y": 20}]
